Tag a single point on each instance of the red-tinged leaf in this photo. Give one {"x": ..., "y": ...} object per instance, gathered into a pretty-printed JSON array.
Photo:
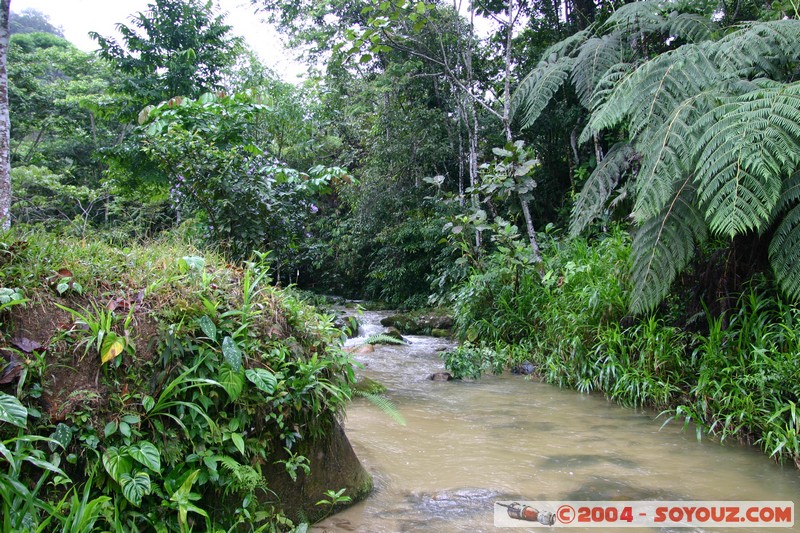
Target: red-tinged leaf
[{"x": 26, "y": 345}]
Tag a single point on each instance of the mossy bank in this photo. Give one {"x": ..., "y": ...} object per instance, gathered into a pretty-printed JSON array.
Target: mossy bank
[{"x": 174, "y": 390}]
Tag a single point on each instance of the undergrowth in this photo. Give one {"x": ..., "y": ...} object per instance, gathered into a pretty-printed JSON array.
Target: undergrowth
[
  {"x": 567, "y": 316},
  {"x": 148, "y": 387}
]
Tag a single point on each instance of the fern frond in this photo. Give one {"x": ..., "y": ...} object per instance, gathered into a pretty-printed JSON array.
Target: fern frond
[
  {"x": 600, "y": 185},
  {"x": 749, "y": 145},
  {"x": 565, "y": 47},
  {"x": 690, "y": 27},
  {"x": 663, "y": 245},
  {"x": 384, "y": 404},
  {"x": 597, "y": 55},
  {"x": 637, "y": 17},
  {"x": 669, "y": 153},
  {"x": 380, "y": 338},
  {"x": 649, "y": 95},
  {"x": 769, "y": 49},
  {"x": 535, "y": 96},
  {"x": 784, "y": 248}
]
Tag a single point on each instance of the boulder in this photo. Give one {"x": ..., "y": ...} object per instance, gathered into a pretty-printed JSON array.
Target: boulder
[
  {"x": 418, "y": 324},
  {"x": 441, "y": 333},
  {"x": 394, "y": 333},
  {"x": 440, "y": 376},
  {"x": 334, "y": 466},
  {"x": 369, "y": 386},
  {"x": 525, "y": 368}
]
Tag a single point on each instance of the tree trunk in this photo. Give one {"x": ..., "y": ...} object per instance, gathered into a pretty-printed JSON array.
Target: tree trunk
[
  {"x": 5, "y": 125},
  {"x": 526, "y": 211}
]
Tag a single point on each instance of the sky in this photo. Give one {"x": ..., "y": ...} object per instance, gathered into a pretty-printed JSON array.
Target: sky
[{"x": 78, "y": 17}]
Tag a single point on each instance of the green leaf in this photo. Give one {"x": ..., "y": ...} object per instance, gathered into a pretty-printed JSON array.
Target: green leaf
[
  {"x": 110, "y": 428},
  {"x": 263, "y": 379},
  {"x": 131, "y": 419},
  {"x": 232, "y": 381},
  {"x": 135, "y": 487},
  {"x": 238, "y": 441},
  {"x": 147, "y": 454},
  {"x": 62, "y": 435},
  {"x": 148, "y": 403},
  {"x": 116, "y": 463},
  {"x": 12, "y": 411},
  {"x": 125, "y": 429},
  {"x": 232, "y": 353},
  {"x": 208, "y": 327}
]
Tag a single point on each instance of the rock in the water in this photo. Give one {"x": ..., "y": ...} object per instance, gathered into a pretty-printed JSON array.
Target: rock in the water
[
  {"x": 368, "y": 385},
  {"x": 440, "y": 376},
  {"x": 416, "y": 324},
  {"x": 394, "y": 333},
  {"x": 524, "y": 368},
  {"x": 441, "y": 333},
  {"x": 364, "y": 348}
]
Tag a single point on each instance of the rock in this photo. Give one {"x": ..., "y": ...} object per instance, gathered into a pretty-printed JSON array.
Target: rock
[
  {"x": 348, "y": 324},
  {"x": 394, "y": 333},
  {"x": 362, "y": 349},
  {"x": 431, "y": 322},
  {"x": 333, "y": 464},
  {"x": 524, "y": 368},
  {"x": 441, "y": 333},
  {"x": 369, "y": 385},
  {"x": 418, "y": 324},
  {"x": 441, "y": 376}
]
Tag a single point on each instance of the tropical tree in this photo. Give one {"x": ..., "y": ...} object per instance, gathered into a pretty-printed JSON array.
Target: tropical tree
[
  {"x": 175, "y": 48},
  {"x": 708, "y": 128},
  {"x": 32, "y": 21}
]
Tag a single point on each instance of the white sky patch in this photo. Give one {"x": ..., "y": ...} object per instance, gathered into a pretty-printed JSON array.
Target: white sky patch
[{"x": 78, "y": 17}]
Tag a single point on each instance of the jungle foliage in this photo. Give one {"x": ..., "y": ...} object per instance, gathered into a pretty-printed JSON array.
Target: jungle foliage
[{"x": 606, "y": 190}]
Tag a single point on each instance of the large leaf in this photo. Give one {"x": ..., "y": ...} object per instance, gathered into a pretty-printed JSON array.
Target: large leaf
[
  {"x": 538, "y": 88},
  {"x": 232, "y": 353},
  {"x": 12, "y": 411},
  {"x": 263, "y": 379},
  {"x": 116, "y": 463},
  {"x": 147, "y": 454},
  {"x": 113, "y": 345},
  {"x": 135, "y": 487},
  {"x": 232, "y": 381},
  {"x": 208, "y": 327}
]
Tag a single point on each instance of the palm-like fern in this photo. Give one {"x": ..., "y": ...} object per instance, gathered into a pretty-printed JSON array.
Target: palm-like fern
[{"x": 717, "y": 124}]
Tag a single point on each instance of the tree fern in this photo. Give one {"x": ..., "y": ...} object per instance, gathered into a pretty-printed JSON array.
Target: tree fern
[
  {"x": 600, "y": 185},
  {"x": 597, "y": 55},
  {"x": 669, "y": 156},
  {"x": 784, "y": 249},
  {"x": 538, "y": 88},
  {"x": 638, "y": 18},
  {"x": 764, "y": 49},
  {"x": 663, "y": 245},
  {"x": 749, "y": 146}
]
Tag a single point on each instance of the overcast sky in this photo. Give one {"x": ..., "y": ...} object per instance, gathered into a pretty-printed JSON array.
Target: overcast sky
[{"x": 79, "y": 17}]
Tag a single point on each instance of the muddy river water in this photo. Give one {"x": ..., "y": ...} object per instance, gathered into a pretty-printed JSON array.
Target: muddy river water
[{"x": 466, "y": 445}]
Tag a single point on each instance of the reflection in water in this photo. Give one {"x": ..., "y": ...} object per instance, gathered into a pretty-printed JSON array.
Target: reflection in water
[{"x": 467, "y": 445}]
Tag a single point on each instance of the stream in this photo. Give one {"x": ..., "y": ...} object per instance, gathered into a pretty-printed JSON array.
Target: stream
[{"x": 466, "y": 445}]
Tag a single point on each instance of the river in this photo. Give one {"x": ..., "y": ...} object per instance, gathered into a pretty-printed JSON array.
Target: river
[{"x": 466, "y": 445}]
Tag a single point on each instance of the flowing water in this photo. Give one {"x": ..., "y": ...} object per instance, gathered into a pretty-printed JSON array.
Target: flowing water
[{"x": 466, "y": 445}]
